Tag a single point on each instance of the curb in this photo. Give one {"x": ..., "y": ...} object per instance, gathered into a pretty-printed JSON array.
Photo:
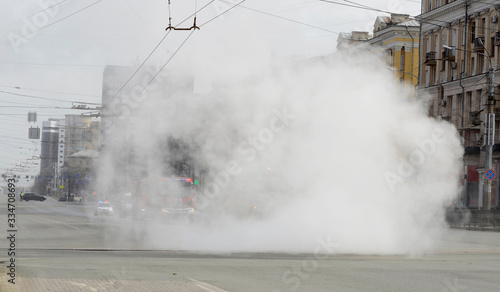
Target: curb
[{"x": 490, "y": 229}]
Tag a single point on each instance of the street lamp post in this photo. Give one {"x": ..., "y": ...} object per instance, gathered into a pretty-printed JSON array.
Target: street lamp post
[{"x": 404, "y": 72}]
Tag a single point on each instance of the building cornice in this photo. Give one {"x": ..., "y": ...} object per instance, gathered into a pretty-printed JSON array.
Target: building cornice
[
  {"x": 441, "y": 11},
  {"x": 394, "y": 32},
  {"x": 447, "y": 9}
]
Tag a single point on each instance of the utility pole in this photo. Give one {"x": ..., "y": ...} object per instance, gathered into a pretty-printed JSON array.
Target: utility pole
[{"x": 490, "y": 136}]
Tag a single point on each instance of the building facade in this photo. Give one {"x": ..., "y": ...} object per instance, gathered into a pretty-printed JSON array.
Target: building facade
[
  {"x": 347, "y": 40},
  {"x": 48, "y": 155},
  {"x": 458, "y": 58},
  {"x": 82, "y": 137},
  {"x": 395, "y": 39}
]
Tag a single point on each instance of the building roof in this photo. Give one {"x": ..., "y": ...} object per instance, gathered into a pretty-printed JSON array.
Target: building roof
[
  {"x": 412, "y": 22},
  {"x": 386, "y": 21},
  {"x": 92, "y": 154}
]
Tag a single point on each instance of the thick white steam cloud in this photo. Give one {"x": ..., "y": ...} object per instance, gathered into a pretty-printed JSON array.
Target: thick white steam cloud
[{"x": 309, "y": 150}]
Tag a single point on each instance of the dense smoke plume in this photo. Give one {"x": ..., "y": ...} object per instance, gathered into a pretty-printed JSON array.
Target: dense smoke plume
[{"x": 309, "y": 149}]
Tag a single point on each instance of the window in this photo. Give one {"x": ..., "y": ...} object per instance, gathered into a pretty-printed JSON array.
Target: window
[
  {"x": 492, "y": 47},
  {"x": 454, "y": 38},
  {"x": 483, "y": 25},
  {"x": 480, "y": 63},
  {"x": 430, "y": 5},
  {"x": 402, "y": 60},
  {"x": 473, "y": 31},
  {"x": 436, "y": 43},
  {"x": 449, "y": 106},
  {"x": 468, "y": 102},
  {"x": 459, "y": 112},
  {"x": 463, "y": 36}
]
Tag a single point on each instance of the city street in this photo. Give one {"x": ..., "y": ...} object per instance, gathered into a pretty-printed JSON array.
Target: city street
[
  {"x": 233, "y": 145},
  {"x": 62, "y": 246}
]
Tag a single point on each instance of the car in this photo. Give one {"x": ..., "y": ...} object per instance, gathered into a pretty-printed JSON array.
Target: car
[
  {"x": 62, "y": 199},
  {"x": 125, "y": 209},
  {"x": 103, "y": 208},
  {"x": 33, "y": 197}
]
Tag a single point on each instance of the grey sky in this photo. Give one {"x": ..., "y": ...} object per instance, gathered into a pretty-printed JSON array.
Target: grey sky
[{"x": 60, "y": 52}]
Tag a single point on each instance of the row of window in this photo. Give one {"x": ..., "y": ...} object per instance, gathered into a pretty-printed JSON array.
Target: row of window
[
  {"x": 433, "y": 4},
  {"x": 443, "y": 57}
]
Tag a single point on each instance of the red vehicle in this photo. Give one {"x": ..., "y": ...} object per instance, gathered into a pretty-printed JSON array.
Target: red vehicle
[{"x": 169, "y": 198}]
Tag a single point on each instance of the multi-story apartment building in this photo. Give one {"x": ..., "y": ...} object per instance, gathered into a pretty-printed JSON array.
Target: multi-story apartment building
[
  {"x": 458, "y": 51},
  {"x": 347, "y": 40},
  {"x": 49, "y": 154},
  {"x": 395, "y": 38}
]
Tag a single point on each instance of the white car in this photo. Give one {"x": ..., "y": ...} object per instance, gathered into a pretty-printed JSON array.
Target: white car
[{"x": 103, "y": 208}]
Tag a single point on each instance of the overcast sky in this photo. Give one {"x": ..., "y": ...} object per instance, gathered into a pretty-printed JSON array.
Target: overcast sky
[{"x": 54, "y": 54}]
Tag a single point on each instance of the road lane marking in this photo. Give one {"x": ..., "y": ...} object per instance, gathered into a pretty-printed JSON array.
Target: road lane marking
[{"x": 206, "y": 286}]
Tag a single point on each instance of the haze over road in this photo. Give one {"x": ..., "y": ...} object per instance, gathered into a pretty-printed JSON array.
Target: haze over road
[{"x": 63, "y": 246}]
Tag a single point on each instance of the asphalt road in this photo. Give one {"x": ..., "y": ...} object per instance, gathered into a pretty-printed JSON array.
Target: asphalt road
[{"x": 62, "y": 246}]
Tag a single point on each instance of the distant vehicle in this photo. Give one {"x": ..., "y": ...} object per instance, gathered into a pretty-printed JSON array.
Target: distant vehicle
[
  {"x": 103, "y": 208},
  {"x": 125, "y": 208},
  {"x": 33, "y": 197},
  {"x": 169, "y": 198},
  {"x": 62, "y": 199}
]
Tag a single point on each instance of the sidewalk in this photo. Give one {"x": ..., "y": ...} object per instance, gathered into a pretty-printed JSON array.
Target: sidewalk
[
  {"x": 98, "y": 285},
  {"x": 477, "y": 228}
]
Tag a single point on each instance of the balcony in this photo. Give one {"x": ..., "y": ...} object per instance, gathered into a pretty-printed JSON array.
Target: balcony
[
  {"x": 479, "y": 44},
  {"x": 497, "y": 114},
  {"x": 497, "y": 38},
  {"x": 474, "y": 118},
  {"x": 448, "y": 55},
  {"x": 430, "y": 59}
]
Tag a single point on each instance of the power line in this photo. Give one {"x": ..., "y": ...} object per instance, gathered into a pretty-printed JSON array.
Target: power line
[
  {"x": 217, "y": 16},
  {"x": 284, "y": 18},
  {"x": 33, "y": 14},
  {"x": 33, "y": 96},
  {"x": 149, "y": 56},
  {"x": 59, "y": 20},
  {"x": 168, "y": 61},
  {"x": 51, "y": 91},
  {"x": 360, "y": 7},
  {"x": 28, "y": 107}
]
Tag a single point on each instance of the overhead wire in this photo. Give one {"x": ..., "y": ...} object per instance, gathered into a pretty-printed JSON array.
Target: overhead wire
[
  {"x": 149, "y": 56},
  {"x": 356, "y": 6},
  {"x": 182, "y": 44},
  {"x": 33, "y": 14},
  {"x": 33, "y": 96},
  {"x": 284, "y": 18},
  {"x": 224, "y": 12},
  {"x": 61, "y": 19},
  {"x": 168, "y": 61},
  {"x": 51, "y": 91}
]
